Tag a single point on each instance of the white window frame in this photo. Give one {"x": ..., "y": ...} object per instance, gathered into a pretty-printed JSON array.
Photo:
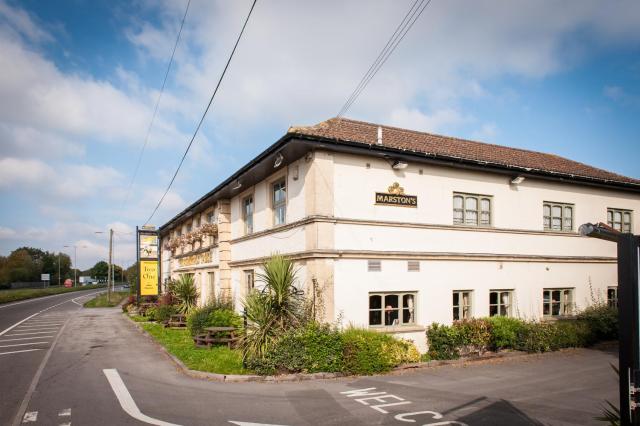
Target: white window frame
[
  {"x": 612, "y": 301},
  {"x": 461, "y": 306},
  {"x": 466, "y": 217},
  {"x": 565, "y": 307},
  {"x": 249, "y": 280},
  {"x": 548, "y": 219},
  {"x": 400, "y": 309},
  {"x": 499, "y": 304},
  {"x": 248, "y": 219},
  {"x": 611, "y": 212},
  {"x": 275, "y": 206}
]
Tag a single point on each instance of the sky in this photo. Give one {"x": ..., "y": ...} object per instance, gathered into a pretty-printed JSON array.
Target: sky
[{"x": 80, "y": 79}]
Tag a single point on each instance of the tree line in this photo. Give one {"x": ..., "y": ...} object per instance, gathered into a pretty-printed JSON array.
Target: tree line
[{"x": 26, "y": 264}]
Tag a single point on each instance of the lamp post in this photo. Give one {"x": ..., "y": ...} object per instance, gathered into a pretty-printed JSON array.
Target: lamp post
[
  {"x": 628, "y": 253},
  {"x": 75, "y": 262},
  {"x": 110, "y": 268}
]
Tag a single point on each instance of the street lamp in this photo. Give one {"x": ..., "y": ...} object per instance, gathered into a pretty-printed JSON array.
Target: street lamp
[{"x": 75, "y": 262}]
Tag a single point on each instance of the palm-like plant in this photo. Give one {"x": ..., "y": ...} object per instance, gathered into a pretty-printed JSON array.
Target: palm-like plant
[
  {"x": 184, "y": 289},
  {"x": 278, "y": 307}
]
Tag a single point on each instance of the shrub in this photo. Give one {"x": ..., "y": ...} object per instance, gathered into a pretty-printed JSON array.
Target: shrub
[
  {"x": 602, "y": 320},
  {"x": 274, "y": 310},
  {"x": 312, "y": 348},
  {"x": 444, "y": 341},
  {"x": 184, "y": 290},
  {"x": 537, "y": 337},
  {"x": 504, "y": 332},
  {"x": 474, "y": 335},
  {"x": 370, "y": 352},
  {"x": 572, "y": 334},
  {"x": 162, "y": 313}
]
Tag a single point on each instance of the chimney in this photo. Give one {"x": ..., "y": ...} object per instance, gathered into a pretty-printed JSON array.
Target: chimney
[{"x": 379, "y": 135}]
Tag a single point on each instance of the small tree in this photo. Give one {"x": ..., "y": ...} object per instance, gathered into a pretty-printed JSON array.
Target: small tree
[
  {"x": 184, "y": 289},
  {"x": 275, "y": 309}
]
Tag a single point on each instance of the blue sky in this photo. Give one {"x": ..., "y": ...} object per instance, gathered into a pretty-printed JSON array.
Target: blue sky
[{"x": 80, "y": 79}]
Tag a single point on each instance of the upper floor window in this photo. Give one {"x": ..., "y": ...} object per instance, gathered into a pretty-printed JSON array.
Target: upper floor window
[
  {"x": 620, "y": 220},
  {"x": 247, "y": 214},
  {"x": 188, "y": 228},
  {"x": 500, "y": 302},
  {"x": 196, "y": 221},
  {"x": 389, "y": 309},
  {"x": 473, "y": 210},
  {"x": 279, "y": 201},
  {"x": 557, "y": 216},
  {"x": 612, "y": 296},
  {"x": 210, "y": 217},
  {"x": 557, "y": 302}
]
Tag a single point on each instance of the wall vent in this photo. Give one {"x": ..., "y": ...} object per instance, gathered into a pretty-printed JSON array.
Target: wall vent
[
  {"x": 413, "y": 266},
  {"x": 374, "y": 266}
]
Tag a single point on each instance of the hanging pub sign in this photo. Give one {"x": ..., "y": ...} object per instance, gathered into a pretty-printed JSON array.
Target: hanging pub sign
[
  {"x": 147, "y": 248},
  {"x": 395, "y": 196}
]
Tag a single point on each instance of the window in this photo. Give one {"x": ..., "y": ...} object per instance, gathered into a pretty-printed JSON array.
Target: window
[
  {"x": 248, "y": 280},
  {"x": 620, "y": 220},
  {"x": 461, "y": 304},
  {"x": 557, "y": 302},
  {"x": 212, "y": 287},
  {"x": 612, "y": 296},
  {"x": 179, "y": 233},
  {"x": 500, "y": 303},
  {"x": 557, "y": 216},
  {"x": 210, "y": 217},
  {"x": 247, "y": 214},
  {"x": 196, "y": 222},
  {"x": 389, "y": 309},
  {"x": 188, "y": 228},
  {"x": 279, "y": 202},
  {"x": 413, "y": 266},
  {"x": 374, "y": 266},
  {"x": 473, "y": 210}
]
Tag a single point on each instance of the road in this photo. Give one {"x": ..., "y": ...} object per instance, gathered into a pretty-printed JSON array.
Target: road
[{"x": 103, "y": 371}]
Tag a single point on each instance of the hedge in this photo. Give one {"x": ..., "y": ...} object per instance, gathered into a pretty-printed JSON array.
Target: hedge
[{"x": 473, "y": 337}]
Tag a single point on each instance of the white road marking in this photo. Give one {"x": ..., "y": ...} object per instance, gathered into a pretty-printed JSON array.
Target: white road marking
[
  {"x": 30, "y": 333},
  {"x": 22, "y": 344},
  {"x": 24, "y": 338},
  {"x": 65, "y": 412},
  {"x": 251, "y": 424},
  {"x": 65, "y": 424},
  {"x": 126, "y": 400},
  {"x": 19, "y": 352},
  {"x": 31, "y": 416},
  {"x": 35, "y": 327}
]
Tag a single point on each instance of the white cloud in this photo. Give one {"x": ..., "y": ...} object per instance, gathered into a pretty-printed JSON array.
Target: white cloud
[
  {"x": 487, "y": 132},
  {"x": 415, "y": 119},
  {"x": 7, "y": 233},
  {"x": 21, "y": 23}
]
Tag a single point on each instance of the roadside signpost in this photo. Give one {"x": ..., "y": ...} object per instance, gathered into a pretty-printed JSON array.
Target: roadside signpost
[
  {"x": 45, "y": 278},
  {"x": 628, "y": 317},
  {"x": 148, "y": 267}
]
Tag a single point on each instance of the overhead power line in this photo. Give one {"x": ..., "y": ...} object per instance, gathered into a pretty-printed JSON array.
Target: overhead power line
[
  {"x": 155, "y": 110},
  {"x": 204, "y": 114},
  {"x": 398, "y": 35}
]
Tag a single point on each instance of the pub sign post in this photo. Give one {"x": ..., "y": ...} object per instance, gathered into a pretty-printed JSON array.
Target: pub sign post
[{"x": 148, "y": 261}]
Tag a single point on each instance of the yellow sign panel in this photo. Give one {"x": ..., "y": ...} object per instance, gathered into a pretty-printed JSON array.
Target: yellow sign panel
[{"x": 148, "y": 278}]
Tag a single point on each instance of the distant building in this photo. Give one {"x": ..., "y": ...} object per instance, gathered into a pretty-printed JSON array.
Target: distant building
[{"x": 398, "y": 229}]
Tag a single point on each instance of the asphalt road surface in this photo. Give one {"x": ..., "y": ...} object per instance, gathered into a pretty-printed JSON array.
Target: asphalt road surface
[{"x": 103, "y": 371}]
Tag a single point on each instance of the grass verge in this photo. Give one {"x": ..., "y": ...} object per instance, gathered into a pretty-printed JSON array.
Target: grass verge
[
  {"x": 179, "y": 343},
  {"x": 102, "y": 301},
  {"x": 15, "y": 295}
]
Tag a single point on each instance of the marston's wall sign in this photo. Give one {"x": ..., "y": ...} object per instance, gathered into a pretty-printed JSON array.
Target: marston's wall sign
[{"x": 396, "y": 197}]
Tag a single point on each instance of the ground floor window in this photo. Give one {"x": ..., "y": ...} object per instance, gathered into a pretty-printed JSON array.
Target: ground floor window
[
  {"x": 212, "y": 286},
  {"x": 248, "y": 280},
  {"x": 557, "y": 302},
  {"x": 389, "y": 309},
  {"x": 461, "y": 304},
  {"x": 612, "y": 296},
  {"x": 500, "y": 302}
]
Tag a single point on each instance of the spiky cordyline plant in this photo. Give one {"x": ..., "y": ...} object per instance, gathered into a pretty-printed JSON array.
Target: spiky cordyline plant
[
  {"x": 278, "y": 307},
  {"x": 184, "y": 289}
]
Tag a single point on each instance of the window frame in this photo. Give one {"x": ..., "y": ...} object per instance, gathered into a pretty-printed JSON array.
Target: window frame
[
  {"x": 246, "y": 274},
  {"x": 509, "y": 309},
  {"x": 564, "y": 310},
  {"x": 562, "y": 217},
  {"x": 613, "y": 288},
  {"x": 248, "y": 230},
  {"x": 622, "y": 212},
  {"x": 400, "y": 309},
  {"x": 468, "y": 306},
  {"x": 479, "y": 211},
  {"x": 277, "y": 205}
]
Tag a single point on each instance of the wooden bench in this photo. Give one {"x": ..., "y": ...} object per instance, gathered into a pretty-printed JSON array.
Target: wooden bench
[
  {"x": 216, "y": 336},
  {"x": 177, "y": 321},
  {"x": 144, "y": 307}
]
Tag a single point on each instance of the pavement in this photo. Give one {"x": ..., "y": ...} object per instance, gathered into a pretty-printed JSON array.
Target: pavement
[{"x": 104, "y": 371}]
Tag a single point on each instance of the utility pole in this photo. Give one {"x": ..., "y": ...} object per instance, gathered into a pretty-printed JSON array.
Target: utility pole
[
  {"x": 58, "y": 269},
  {"x": 110, "y": 270}
]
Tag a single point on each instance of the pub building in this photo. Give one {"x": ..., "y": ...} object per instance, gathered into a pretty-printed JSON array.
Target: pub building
[{"x": 394, "y": 229}]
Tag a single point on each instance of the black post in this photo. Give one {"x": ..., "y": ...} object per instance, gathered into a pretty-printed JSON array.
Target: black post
[
  {"x": 244, "y": 320},
  {"x": 629, "y": 351},
  {"x": 159, "y": 265},
  {"x": 138, "y": 266}
]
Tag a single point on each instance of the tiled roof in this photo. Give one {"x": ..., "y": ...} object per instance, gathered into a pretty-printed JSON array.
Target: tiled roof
[{"x": 445, "y": 147}]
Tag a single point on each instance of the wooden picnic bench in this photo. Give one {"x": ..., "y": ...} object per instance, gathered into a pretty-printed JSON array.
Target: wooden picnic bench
[
  {"x": 177, "y": 321},
  {"x": 217, "y": 335},
  {"x": 144, "y": 307}
]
